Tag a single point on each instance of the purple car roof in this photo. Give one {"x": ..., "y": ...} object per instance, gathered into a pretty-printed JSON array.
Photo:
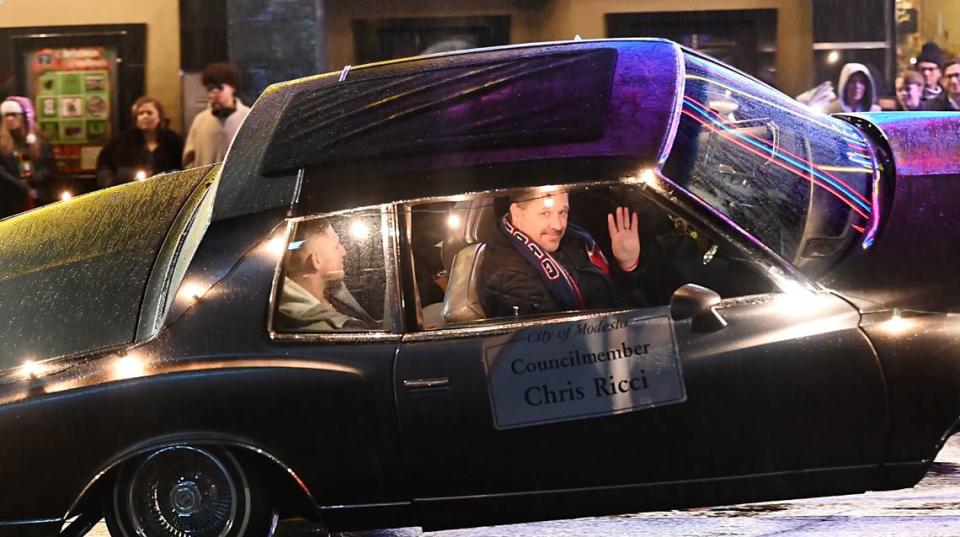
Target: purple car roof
[{"x": 608, "y": 98}]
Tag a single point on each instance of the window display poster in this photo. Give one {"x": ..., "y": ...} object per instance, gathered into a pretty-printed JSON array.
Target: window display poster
[{"x": 73, "y": 91}]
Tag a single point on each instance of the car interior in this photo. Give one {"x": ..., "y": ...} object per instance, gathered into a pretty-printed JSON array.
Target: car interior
[{"x": 450, "y": 237}]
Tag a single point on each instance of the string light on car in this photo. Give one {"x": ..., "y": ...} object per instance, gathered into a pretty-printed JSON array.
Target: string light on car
[
  {"x": 453, "y": 221},
  {"x": 129, "y": 366},
  {"x": 192, "y": 291},
  {"x": 31, "y": 370},
  {"x": 141, "y": 175},
  {"x": 648, "y": 177},
  {"x": 66, "y": 195},
  {"x": 897, "y": 323},
  {"x": 275, "y": 246}
]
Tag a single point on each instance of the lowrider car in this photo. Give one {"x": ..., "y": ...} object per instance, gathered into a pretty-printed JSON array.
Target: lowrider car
[{"x": 796, "y": 334}]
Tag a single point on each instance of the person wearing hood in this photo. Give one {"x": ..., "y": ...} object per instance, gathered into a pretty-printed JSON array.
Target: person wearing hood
[
  {"x": 857, "y": 91},
  {"x": 26, "y": 161},
  {"x": 214, "y": 128}
]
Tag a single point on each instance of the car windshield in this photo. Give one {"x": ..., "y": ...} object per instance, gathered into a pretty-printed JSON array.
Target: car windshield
[{"x": 795, "y": 179}]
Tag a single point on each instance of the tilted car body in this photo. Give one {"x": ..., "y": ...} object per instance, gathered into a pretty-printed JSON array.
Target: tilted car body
[{"x": 146, "y": 377}]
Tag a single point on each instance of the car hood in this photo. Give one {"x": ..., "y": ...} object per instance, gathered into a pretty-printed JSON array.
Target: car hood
[{"x": 73, "y": 275}]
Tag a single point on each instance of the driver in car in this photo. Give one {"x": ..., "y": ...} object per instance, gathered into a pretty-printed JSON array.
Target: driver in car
[
  {"x": 315, "y": 297},
  {"x": 542, "y": 263}
]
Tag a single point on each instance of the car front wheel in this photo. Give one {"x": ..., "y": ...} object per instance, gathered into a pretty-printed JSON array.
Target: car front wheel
[{"x": 186, "y": 490}]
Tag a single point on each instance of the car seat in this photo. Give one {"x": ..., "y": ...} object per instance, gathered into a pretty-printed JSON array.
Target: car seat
[{"x": 462, "y": 253}]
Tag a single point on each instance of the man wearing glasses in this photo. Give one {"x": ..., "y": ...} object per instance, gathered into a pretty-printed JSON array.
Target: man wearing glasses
[
  {"x": 950, "y": 99},
  {"x": 928, "y": 65},
  {"x": 214, "y": 128}
]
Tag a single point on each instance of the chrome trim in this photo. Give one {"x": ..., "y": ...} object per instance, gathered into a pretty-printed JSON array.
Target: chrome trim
[
  {"x": 498, "y": 326},
  {"x": 334, "y": 337},
  {"x": 277, "y": 269},
  {"x": 365, "y": 505},
  {"x": 31, "y": 521},
  {"x": 647, "y": 485},
  {"x": 160, "y": 284},
  {"x": 408, "y": 234},
  {"x": 424, "y": 384},
  {"x": 667, "y": 143},
  {"x": 393, "y": 298},
  {"x": 189, "y": 440},
  {"x": 391, "y": 263},
  {"x": 297, "y": 189}
]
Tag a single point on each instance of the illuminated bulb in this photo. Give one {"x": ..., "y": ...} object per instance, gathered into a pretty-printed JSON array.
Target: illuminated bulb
[
  {"x": 897, "y": 324},
  {"x": 359, "y": 230},
  {"x": 128, "y": 366},
  {"x": 833, "y": 57},
  {"x": 65, "y": 195},
  {"x": 647, "y": 177},
  {"x": 141, "y": 175},
  {"x": 913, "y": 61},
  {"x": 191, "y": 291},
  {"x": 275, "y": 248},
  {"x": 453, "y": 221},
  {"x": 548, "y": 202},
  {"x": 797, "y": 300},
  {"x": 31, "y": 370}
]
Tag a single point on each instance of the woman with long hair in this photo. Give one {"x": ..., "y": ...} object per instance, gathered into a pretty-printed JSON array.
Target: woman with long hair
[
  {"x": 148, "y": 148},
  {"x": 26, "y": 162}
]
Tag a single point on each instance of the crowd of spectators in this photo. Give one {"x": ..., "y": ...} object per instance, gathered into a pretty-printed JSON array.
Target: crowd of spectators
[{"x": 147, "y": 147}]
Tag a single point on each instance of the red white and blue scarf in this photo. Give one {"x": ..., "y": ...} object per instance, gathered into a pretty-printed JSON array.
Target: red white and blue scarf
[{"x": 561, "y": 285}]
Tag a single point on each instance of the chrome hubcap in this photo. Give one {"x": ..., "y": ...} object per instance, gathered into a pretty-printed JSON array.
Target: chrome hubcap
[
  {"x": 185, "y": 498},
  {"x": 183, "y": 491}
]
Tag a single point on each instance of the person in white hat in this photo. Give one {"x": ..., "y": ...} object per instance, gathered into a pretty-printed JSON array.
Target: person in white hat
[{"x": 26, "y": 161}]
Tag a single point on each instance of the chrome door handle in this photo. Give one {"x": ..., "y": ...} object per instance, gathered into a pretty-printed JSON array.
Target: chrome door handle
[{"x": 426, "y": 384}]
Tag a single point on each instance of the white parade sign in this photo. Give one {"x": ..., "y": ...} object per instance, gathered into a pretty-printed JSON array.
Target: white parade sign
[{"x": 582, "y": 369}]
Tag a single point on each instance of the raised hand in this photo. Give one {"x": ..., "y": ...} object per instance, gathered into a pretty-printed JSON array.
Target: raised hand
[{"x": 624, "y": 238}]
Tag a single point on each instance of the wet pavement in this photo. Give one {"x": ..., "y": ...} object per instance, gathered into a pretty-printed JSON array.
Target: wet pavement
[{"x": 930, "y": 509}]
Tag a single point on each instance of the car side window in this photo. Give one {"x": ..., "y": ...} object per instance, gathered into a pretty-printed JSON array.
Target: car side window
[
  {"x": 574, "y": 249},
  {"x": 333, "y": 276}
]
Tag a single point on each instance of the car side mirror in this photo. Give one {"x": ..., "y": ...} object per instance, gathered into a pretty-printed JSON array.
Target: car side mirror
[{"x": 692, "y": 301}]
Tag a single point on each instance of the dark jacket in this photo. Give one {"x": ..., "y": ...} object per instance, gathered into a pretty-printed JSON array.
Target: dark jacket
[
  {"x": 508, "y": 280},
  {"x": 14, "y": 193},
  {"x": 127, "y": 153},
  {"x": 939, "y": 104}
]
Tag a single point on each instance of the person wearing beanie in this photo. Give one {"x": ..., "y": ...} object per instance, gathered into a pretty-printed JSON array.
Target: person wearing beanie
[
  {"x": 214, "y": 128},
  {"x": 929, "y": 63},
  {"x": 949, "y": 101},
  {"x": 26, "y": 161}
]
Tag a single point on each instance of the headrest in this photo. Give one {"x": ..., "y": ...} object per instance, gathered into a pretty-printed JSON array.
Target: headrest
[
  {"x": 462, "y": 303},
  {"x": 478, "y": 223}
]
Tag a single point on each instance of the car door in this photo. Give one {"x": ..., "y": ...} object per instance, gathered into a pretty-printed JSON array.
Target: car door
[{"x": 786, "y": 383}]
